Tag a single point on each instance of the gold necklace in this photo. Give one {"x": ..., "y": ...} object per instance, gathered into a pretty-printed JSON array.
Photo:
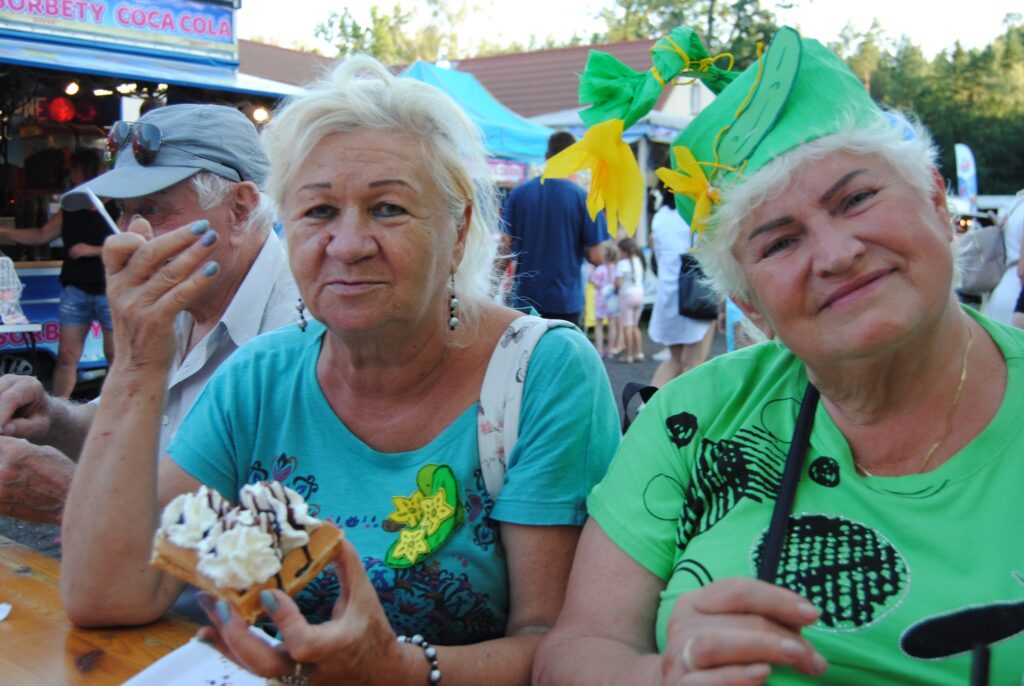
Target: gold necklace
[{"x": 949, "y": 415}]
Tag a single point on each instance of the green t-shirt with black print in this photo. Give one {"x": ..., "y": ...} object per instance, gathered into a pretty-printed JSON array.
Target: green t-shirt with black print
[{"x": 908, "y": 572}]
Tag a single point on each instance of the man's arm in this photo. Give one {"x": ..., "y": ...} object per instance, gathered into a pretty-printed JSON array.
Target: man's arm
[
  {"x": 34, "y": 481},
  {"x": 595, "y": 254},
  {"x": 26, "y": 411}
]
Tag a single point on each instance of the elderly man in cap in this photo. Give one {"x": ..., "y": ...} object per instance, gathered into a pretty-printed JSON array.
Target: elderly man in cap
[{"x": 184, "y": 164}]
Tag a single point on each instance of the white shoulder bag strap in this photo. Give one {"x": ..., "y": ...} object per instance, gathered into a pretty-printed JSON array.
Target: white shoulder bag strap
[{"x": 501, "y": 396}]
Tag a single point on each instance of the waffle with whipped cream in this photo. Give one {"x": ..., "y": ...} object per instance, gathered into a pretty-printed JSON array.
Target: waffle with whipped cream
[{"x": 269, "y": 540}]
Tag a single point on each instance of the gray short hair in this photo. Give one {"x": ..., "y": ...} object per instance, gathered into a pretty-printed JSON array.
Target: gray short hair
[
  {"x": 362, "y": 94},
  {"x": 902, "y": 142},
  {"x": 211, "y": 190}
]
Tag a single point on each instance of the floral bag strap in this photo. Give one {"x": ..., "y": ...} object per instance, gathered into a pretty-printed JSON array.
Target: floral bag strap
[{"x": 501, "y": 395}]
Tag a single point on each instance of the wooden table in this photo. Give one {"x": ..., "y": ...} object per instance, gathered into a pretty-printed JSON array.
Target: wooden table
[{"x": 38, "y": 645}]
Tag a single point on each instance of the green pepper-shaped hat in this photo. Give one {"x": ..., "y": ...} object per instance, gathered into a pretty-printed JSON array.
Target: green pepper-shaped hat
[{"x": 797, "y": 91}]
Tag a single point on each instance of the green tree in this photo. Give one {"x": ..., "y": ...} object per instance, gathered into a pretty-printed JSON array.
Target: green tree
[{"x": 735, "y": 27}]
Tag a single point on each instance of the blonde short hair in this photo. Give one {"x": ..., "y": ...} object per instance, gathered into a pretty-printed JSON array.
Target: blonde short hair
[{"x": 362, "y": 94}]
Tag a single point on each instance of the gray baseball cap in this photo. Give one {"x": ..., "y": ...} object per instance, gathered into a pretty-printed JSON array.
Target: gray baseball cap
[{"x": 194, "y": 138}]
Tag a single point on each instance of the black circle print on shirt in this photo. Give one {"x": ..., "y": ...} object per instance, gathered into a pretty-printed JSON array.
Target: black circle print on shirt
[
  {"x": 682, "y": 428},
  {"x": 848, "y": 571},
  {"x": 825, "y": 472}
]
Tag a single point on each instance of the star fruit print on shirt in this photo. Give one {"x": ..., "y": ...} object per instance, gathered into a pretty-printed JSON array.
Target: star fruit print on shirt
[
  {"x": 425, "y": 519},
  {"x": 848, "y": 570}
]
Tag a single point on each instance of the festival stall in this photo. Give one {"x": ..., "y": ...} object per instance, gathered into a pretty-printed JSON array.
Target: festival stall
[{"x": 68, "y": 70}]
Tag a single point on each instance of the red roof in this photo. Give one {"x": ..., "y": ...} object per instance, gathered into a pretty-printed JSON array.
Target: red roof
[{"x": 544, "y": 81}]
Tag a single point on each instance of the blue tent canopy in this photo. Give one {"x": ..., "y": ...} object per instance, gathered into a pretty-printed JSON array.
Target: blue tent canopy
[{"x": 506, "y": 134}]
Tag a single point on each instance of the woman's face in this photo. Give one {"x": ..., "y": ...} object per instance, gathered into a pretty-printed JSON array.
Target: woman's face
[
  {"x": 370, "y": 238},
  {"x": 847, "y": 260}
]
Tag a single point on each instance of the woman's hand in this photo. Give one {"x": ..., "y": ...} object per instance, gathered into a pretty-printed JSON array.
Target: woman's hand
[
  {"x": 356, "y": 646},
  {"x": 733, "y": 630},
  {"x": 149, "y": 281}
]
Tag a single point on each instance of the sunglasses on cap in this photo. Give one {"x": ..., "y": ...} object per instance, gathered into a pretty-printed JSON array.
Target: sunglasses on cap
[{"x": 147, "y": 139}]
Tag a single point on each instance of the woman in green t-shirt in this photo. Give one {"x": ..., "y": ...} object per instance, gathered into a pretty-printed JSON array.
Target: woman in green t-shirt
[{"x": 825, "y": 220}]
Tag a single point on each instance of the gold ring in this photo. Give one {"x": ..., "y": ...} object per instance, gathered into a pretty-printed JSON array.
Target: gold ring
[{"x": 295, "y": 679}]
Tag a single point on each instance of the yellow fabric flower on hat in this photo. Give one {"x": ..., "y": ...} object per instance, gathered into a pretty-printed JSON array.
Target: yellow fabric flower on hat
[
  {"x": 689, "y": 179},
  {"x": 616, "y": 184}
]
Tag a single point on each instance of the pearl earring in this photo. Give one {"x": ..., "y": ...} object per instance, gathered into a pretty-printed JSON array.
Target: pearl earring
[
  {"x": 301, "y": 307},
  {"x": 453, "y": 304}
]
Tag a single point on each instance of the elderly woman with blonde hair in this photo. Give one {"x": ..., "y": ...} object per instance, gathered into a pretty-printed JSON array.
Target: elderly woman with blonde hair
[
  {"x": 832, "y": 505},
  {"x": 388, "y": 213}
]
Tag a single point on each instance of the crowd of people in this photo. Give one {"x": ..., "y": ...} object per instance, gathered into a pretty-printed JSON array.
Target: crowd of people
[{"x": 828, "y": 505}]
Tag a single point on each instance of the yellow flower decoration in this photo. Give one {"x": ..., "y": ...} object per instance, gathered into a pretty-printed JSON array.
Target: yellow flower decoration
[
  {"x": 407, "y": 510},
  {"x": 412, "y": 544},
  {"x": 435, "y": 511},
  {"x": 616, "y": 184},
  {"x": 689, "y": 179}
]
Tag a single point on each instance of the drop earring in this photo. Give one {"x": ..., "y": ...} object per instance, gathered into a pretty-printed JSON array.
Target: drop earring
[
  {"x": 453, "y": 304},
  {"x": 301, "y": 307}
]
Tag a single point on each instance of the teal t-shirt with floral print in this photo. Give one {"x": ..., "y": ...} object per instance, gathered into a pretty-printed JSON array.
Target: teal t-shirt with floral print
[
  {"x": 422, "y": 520},
  {"x": 908, "y": 572}
]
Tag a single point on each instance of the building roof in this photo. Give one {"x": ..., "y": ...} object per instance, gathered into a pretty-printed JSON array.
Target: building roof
[
  {"x": 281, "y": 64},
  {"x": 544, "y": 81}
]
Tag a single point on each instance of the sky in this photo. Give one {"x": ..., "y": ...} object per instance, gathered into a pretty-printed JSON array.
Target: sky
[{"x": 934, "y": 26}]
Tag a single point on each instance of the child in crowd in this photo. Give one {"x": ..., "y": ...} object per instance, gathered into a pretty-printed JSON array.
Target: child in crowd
[
  {"x": 603, "y": 278},
  {"x": 629, "y": 281}
]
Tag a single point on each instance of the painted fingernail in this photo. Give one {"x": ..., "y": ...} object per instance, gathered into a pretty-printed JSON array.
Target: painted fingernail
[
  {"x": 269, "y": 601},
  {"x": 211, "y": 268},
  {"x": 199, "y": 227},
  {"x": 806, "y": 609},
  {"x": 209, "y": 238},
  {"x": 819, "y": 664},
  {"x": 223, "y": 611},
  {"x": 136, "y": 216},
  {"x": 757, "y": 671},
  {"x": 205, "y": 640},
  {"x": 206, "y": 602}
]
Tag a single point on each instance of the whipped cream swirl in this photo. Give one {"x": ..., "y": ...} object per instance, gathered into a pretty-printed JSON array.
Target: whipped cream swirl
[{"x": 239, "y": 546}]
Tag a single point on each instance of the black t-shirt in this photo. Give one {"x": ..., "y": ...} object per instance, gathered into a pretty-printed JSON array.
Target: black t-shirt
[{"x": 85, "y": 226}]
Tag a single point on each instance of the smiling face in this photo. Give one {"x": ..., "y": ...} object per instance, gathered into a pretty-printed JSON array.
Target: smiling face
[
  {"x": 847, "y": 260},
  {"x": 370, "y": 237}
]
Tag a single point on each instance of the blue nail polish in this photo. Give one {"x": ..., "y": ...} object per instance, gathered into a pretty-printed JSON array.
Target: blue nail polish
[
  {"x": 211, "y": 268},
  {"x": 223, "y": 611},
  {"x": 269, "y": 601},
  {"x": 199, "y": 227},
  {"x": 209, "y": 238}
]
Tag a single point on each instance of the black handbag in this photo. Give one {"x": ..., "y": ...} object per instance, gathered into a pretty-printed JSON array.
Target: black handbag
[{"x": 696, "y": 300}]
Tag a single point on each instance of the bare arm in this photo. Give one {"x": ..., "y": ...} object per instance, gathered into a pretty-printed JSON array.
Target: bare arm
[
  {"x": 595, "y": 254},
  {"x": 34, "y": 481},
  {"x": 605, "y": 634},
  {"x": 114, "y": 502},
  {"x": 38, "y": 236}
]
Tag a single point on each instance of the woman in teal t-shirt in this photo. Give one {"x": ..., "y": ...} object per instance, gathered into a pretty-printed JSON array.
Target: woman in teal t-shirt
[{"x": 825, "y": 220}]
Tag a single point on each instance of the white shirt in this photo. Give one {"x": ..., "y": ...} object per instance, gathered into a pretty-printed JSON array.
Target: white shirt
[{"x": 265, "y": 301}]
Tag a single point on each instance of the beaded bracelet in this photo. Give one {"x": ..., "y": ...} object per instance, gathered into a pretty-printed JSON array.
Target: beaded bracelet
[{"x": 429, "y": 652}]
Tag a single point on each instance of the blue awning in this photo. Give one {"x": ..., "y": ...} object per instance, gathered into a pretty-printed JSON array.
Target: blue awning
[
  {"x": 121, "y": 65},
  {"x": 506, "y": 134}
]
